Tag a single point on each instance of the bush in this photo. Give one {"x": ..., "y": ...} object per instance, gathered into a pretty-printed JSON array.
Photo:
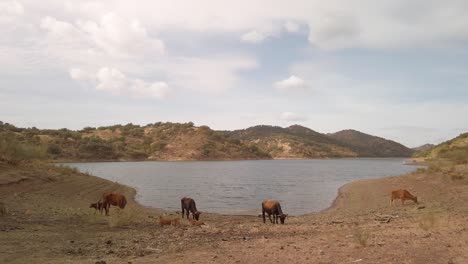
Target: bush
[{"x": 13, "y": 151}]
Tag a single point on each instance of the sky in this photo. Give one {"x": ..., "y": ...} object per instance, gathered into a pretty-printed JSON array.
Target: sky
[{"x": 397, "y": 69}]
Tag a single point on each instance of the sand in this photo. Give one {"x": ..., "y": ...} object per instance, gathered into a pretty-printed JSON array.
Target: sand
[{"x": 48, "y": 220}]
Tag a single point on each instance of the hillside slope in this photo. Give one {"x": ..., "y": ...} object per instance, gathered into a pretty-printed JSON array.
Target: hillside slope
[
  {"x": 175, "y": 141},
  {"x": 292, "y": 142},
  {"x": 370, "y": 146},
  {"x": 455, "y": 150}
]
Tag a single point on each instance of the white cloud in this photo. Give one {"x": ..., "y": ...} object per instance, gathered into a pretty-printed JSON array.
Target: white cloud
[
  {"x": 291, "y": 117},
  {"x": 291, "y": 27},
  {"x": 115, "y": 82},
  {"x": 253, "y": 37},
  {"x": 209, "y": 75},
  {"x": 11, "y": 8},
  {"x": 121, "y": 37},
  {"x": 289, "y": 84}
]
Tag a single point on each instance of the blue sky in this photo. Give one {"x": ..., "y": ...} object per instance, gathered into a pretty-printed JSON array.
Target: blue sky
[{"x": 396, "y": 69}]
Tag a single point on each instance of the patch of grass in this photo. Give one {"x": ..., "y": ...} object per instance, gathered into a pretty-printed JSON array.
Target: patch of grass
[
  {"x": 428, "y": 221},
  {"x": 122, "y": 217},
  {"x": 14, "y": 152},
  {"x": 361, "y": 236}
]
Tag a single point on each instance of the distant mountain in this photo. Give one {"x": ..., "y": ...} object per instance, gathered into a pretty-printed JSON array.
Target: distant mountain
[
  {"x": 455, "y": 149},
  {"x": 370, "y": 146},
  {"x": 423, "y": 147},
  {"x": 291, "y": 142},
  {"x": 175, "y": 141}
]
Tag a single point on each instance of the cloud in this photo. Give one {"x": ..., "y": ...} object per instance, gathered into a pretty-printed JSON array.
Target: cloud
[
  {"x": 291, "y": 27},
  {"x": 115, "y": 82},
  {"x": 289, "y": 84},
  {"x": 253, "y": 37},
  {"x": 209, "y": 75},
  {"x": 121, "y": 37},
  {"x": 11, "y": 8},
  {"x": 291, "y": 117}
]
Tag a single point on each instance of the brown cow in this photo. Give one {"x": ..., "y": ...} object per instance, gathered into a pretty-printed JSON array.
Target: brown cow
[
  {"x": 188, "y": 204},
  {"x": 272, "y": 207},
  {"x": 163, "y": 222},
  {"x": 113, "y": 198},
  {"x": 97, "y": 206},
  {"x": 403, "y": 195}
]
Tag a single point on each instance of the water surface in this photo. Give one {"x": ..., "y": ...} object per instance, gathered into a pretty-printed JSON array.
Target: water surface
[{"x": 238, "y": 187}]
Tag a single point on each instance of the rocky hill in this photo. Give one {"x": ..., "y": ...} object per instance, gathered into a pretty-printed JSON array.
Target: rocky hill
[
  {"x": 455, "y": 150},
  {"x": 175, "y": 141},
  {"x": 292, "y": 142},
  {"x": 370, "y": 146}
]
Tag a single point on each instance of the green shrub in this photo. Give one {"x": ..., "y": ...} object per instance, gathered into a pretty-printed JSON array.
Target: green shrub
[{"x": 13, "y": 151}]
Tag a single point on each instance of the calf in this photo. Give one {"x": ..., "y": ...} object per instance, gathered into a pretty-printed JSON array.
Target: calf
[
  {"x": 196, "y": 223},
  {"x": 163, "y": 222},
  {"x": 272, "y": 207},
  {"x": 113, "y": 198},
  {"x": 97, "y": 206},
  {"x": 403, "y": 195},
  {"x": 188, "y": 204}
]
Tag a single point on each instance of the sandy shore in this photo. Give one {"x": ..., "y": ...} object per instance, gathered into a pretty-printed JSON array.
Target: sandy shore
[{"x": 48, "y": 221}]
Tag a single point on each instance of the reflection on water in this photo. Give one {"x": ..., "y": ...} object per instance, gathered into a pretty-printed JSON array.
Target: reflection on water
[{"x": 238, "y": 187}]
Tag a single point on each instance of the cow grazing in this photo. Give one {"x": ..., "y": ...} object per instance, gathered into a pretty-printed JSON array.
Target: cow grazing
[
  {"x": 97, "y": 206},
  {"x": 403, "y": 195},
  {"x": 188, "y": 204},
  {"x": 113, "y": 198},
  {"x": 163, "y": 222},
  {"x": 272, "y": 207}
]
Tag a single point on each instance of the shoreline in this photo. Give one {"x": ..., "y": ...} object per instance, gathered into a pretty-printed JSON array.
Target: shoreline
[
  {"x": 48, "y": 220},
  {"x": 332, "y": 205}
]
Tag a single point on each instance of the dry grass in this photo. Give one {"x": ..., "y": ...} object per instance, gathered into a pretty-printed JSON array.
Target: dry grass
[
  {"x": 124, "y": 217},
  {"x": 428, "y": 221},
  {"x": 361, "y": 236}
]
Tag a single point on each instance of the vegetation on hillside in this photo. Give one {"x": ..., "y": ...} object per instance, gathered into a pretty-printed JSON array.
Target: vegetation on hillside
[
  {"x": 455, "y": 150},
  {"x": 370, "y": 146},
  {"x": 291, "y": 142},
  {"x": 176, "y": 141}
]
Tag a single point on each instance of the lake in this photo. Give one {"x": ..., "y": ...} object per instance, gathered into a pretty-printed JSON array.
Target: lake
[{"x": 238, "y": 187}]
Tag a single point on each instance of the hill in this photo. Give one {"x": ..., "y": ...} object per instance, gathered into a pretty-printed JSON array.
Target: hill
[
  {"x": 176, "y": 141},
  {"x": 291, "y": 142},
  {"x": 423, "y": 147},
  {"x": 159, "y": 141},
  {"x": 455, "y": 150},
  {"x": 370, "y": 146}
]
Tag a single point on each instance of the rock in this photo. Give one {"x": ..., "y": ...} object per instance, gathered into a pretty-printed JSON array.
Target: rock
[
  {"x": 109, "y": 242},
  {"x": 281, "y": 247},
  {"x": 421, "y": 207}
]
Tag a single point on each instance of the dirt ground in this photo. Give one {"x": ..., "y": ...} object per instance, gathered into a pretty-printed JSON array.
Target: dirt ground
[{"x": 44, "y": 218}]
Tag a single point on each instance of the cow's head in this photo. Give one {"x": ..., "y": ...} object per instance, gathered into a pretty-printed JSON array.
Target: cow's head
[
  {"x": 93, "y": 205},
  {"x": 197, "y": 215},
  {"x": 282, "y": 218}
]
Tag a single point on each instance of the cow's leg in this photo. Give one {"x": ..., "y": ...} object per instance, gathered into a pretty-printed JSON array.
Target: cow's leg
[
  {"x": 402, "y": 201},
  {"x": 107, "y": 209},
  {"x": 263, "y": 215},
  {"x": 269, "y": 216},
  {"x": 188, "y": 213}
]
